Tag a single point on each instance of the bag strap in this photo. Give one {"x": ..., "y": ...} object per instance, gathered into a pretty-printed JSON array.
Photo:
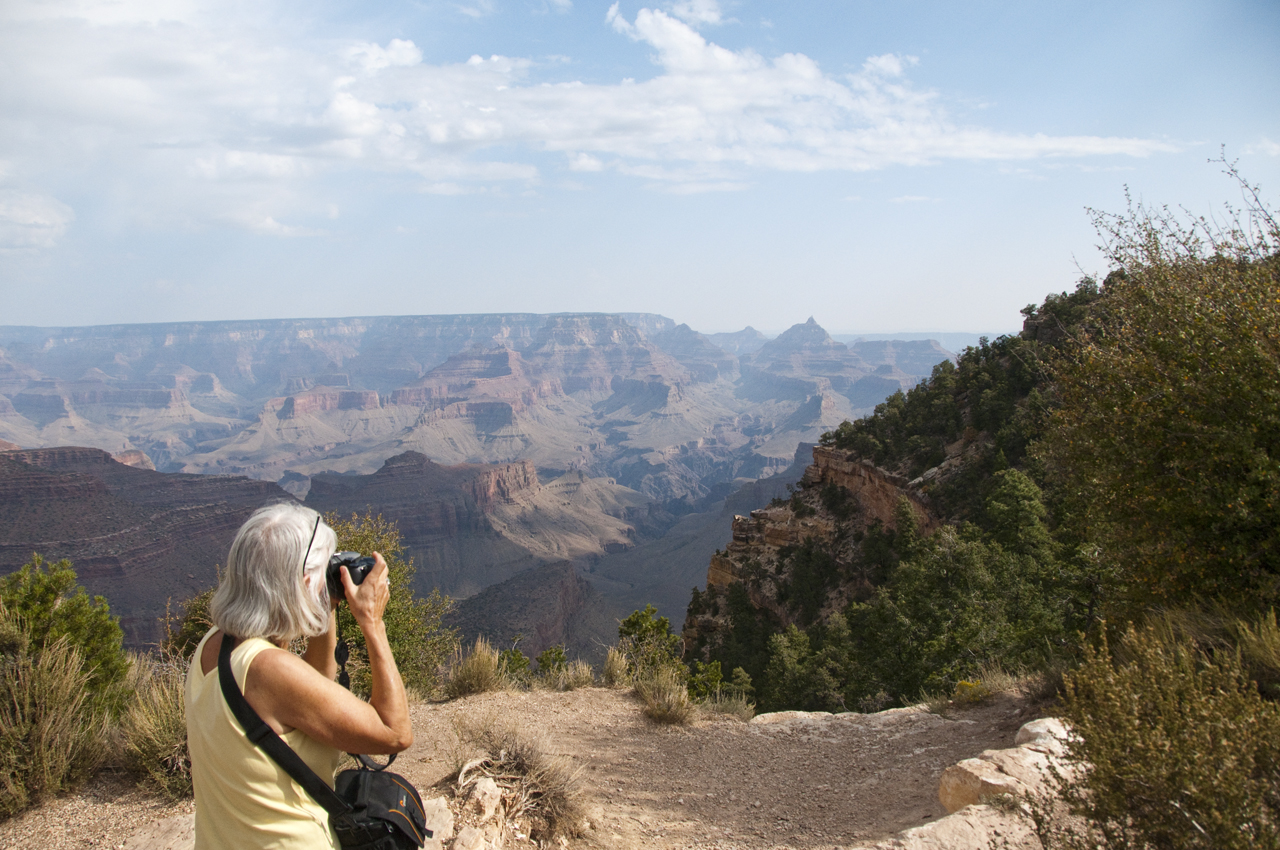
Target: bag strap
[
  {"x": 262, "y": 735},
  {"x": 340, "y": 654}
]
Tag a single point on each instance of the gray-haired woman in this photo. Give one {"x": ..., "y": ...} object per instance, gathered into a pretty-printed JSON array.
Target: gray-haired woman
[{"x": 268, "y": 597}]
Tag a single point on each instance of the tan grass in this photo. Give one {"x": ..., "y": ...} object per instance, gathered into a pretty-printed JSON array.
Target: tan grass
[
  {"x": 615, "y": 669},
  {"x": 730, "y": 705},
  {"x": 665, "y": 697},
  {"x": 50, "y": 737},
  {"x": 536, "y": 785},
  {"x": 476, "y": 672},
  {"x": 153, "y": 728}
]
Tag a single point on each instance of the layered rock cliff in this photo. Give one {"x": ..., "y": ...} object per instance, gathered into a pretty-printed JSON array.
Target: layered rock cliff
[{"x": 138, "y": 537}]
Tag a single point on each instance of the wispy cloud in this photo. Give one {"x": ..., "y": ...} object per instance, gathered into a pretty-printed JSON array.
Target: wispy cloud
[{"x": 212, "y": 116}]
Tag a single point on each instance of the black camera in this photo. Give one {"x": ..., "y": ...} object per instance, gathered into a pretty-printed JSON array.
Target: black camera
[{"x": 358, "y": 565}]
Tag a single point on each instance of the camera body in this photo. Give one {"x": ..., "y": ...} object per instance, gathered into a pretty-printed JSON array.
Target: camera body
[{"x": 357, "y": 565}]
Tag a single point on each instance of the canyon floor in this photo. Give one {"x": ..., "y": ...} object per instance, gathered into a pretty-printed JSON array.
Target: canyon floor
[{"x": 799, "y": 782}]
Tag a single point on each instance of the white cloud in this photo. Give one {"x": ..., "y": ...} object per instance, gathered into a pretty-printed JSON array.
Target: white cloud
[
  {"x": 585, "y": 162},
  {"x": 697, "y": 12},
  {"x": 32, "y": 221},
  {"x": 1265, "y": 146},
  {"x": 562, "y": 5},
  {"x": 207, "y": 113}
]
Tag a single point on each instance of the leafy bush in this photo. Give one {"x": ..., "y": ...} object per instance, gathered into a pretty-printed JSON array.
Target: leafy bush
[
  {"x": 52, "y": 729},
  {"x": 419, "y": 639},
  {"x": 1176, "y": 750},
  {"x": 515, "y": 666},
  {"x": 552, "y": 659},
  {"x": 665, "y": 697},
  {"x": 184, "y": 631},
  {"x": 153, "y": 727},
  {"x": 477, "y": 672},
  {"x": 50, "y": 606},
  {"x": 646, "y": 642},
  {"x": 1165, "y": 439}
]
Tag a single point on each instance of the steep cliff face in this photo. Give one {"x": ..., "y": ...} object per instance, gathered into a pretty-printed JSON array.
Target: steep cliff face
[
  {"x": 138, "y": 537},
  {"x": 840, "y": 499}
]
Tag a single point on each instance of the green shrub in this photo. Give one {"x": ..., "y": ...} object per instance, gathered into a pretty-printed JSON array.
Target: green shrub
[
  {"x": 477, "y": 672},
  {"x": 153, "y": 727},
  {"x": 51, "y": 606},
  {"x": 419, "y": 639},
  {"x": 552, "y": 659},
  {"x": 1177, "y": 749},
  {"x": 184, "y": 632},
  {"x": 52, "y": 730},
  {"x": 646, "y": 642},
  {"x": 665, "y": 697},
  {"x": 515, "y": 666}
]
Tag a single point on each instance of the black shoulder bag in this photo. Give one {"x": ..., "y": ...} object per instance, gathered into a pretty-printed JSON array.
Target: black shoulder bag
[{"x": 369, "y": 808}]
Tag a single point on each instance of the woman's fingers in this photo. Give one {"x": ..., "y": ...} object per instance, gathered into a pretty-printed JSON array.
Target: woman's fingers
[{"x": 369, "y": 598}]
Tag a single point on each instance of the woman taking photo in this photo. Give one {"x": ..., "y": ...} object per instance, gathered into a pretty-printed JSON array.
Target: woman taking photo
[{"x": 268, "y": 597}]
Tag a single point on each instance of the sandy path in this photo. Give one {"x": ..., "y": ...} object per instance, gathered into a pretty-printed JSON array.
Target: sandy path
[
  {"x": 723, "y": 783},
  {"x": 802, "y": 783}
]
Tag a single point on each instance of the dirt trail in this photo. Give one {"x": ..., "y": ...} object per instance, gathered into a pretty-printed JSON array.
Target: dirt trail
[
  {"x": 800, "y": 783},
  {"x": 721, "y": 784}
]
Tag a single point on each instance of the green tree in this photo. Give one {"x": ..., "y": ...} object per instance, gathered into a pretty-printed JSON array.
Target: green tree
[
  {"x": 646, "y": 641},
  {"x": 51, "y": 606},
  {"x": 1164, "y": 444},
  {"x": 419, "y": 639}
]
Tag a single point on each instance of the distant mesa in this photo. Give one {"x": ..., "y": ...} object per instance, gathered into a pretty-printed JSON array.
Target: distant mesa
[
  {"x": 6, "y": 446},
  {"x": 744, "y": 341}
]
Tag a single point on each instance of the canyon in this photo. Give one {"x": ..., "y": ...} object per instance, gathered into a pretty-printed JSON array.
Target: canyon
[{"x": 600, "y": 457}]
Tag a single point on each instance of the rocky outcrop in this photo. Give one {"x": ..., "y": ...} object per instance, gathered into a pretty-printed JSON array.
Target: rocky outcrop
[
  {"x": 757, "y": 553},
  {"x": 137, "y": 537}
]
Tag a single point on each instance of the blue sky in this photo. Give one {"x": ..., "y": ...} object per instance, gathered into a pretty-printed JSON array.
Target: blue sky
[{"x": 880, "y": 166}]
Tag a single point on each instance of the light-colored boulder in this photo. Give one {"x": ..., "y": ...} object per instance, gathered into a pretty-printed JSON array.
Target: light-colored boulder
[
  {"x": 971, "y": 781},
  {"x": 1048, "y": 735},
  {"x": 1029, "y": 766},
  {"x": 175, "y": 833},
  {"x": 439, "y": 821},
  {"x": 485, "y": 797},
  {"x": 975, "y": 828},
  {"x": 469, "y": 838}
]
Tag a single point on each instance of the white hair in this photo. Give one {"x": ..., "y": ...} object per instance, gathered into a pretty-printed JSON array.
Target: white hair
[{"x": 262, "y": 592}]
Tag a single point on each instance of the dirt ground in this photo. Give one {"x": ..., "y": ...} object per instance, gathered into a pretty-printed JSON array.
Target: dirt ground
[{"x": 804, "y": 783}]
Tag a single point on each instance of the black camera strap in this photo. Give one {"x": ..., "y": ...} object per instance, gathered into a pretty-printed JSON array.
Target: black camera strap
[{"x": 262, "y": 735}]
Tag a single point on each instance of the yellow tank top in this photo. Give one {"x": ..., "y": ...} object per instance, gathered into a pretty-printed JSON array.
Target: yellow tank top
[{"x": 243, "y": 799}]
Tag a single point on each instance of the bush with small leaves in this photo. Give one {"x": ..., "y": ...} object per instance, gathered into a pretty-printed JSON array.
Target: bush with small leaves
[
  {"x": 52, "y": 731},
  {"x": 1176, "y": 750}
]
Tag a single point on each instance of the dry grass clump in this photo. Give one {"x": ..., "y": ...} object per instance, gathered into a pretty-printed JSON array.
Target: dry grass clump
[
  {"x": 537, "y": 786},
  {"x": 51, "y": 738},
  {"x": 153, "y": 728},
  {"x": 730, "y": 705},
  {"x": 665, "y": 696},
  {"x": 576, "y": 674},
  {"x": 477, "y": 672},
  {"x": 614, "y": 674}
]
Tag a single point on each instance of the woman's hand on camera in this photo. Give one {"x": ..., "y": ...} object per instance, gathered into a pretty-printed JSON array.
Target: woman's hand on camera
[{"x": 368, "y": 599}]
